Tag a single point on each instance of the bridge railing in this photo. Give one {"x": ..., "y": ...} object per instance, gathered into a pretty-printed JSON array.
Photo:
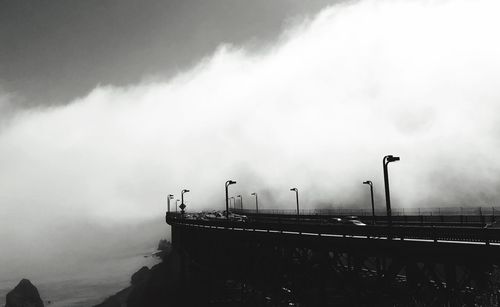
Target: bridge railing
[
  {"x": 460, "y": 217},
  {"x": 438, "y": 211}
]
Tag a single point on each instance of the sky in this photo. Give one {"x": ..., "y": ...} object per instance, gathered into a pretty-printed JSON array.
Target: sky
[
  {"x": 108, "y": 108},
  {"x": 57, "y": 50}
]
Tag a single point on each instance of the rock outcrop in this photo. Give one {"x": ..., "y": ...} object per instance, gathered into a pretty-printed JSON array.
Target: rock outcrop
[
  {"x": 140, "y": 276},
  {"x": 155, "y": 287},
  {"x": 164, "y": 248},
  {"x": 25, "y": 294}
]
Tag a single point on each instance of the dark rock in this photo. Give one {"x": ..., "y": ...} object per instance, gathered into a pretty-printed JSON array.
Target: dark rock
[
  {"x": 140, "y": 276},
  {"x": 24, "y": 295},
  {"x": 130, "y": 296},
  {"x": 164, "y": 245},
  {"x": 159, "y": 287},
  {"x": 164, "y": 248},
  {"x": 135, "y": 297},
  {"x": 163, "y": 287}
]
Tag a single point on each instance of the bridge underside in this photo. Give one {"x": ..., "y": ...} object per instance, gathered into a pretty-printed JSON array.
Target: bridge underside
[{"x": 274, "y": 268}]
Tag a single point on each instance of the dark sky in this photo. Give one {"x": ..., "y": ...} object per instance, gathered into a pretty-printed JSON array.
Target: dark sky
[{"x": 53, "y": 51}]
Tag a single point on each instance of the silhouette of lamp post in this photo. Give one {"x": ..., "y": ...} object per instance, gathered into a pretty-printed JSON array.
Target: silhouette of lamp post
[
  {"x": 241, "y": 201},
  {"x": 297, "y": 197},
  {"x": 256, "y": 202},
  {"x": 169, "y": 197},
  {"x": 368, "y": 182},
  {"x": 388, "y": 159},
  {"x": 183, "y": 206},
  {"x": 228, "y": 183},
  {"x": 177, "y": 204}
]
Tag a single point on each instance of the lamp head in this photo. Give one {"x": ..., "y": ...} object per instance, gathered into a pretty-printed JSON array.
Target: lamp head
[
  {"x": 185, "y": 191},
  {"x": 253, "y": 194},
  {"x": 238, "y": 196},
  {"x": 367, "y": 182},
  {"x": 392, "y": 159},
  {"x": 170, "y": 196},
  {"x": 294, "y": 189},
  {"x": 229, "y": 182}
]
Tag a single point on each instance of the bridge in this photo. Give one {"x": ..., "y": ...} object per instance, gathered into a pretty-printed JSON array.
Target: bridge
[{"x": 438, "y": 257}]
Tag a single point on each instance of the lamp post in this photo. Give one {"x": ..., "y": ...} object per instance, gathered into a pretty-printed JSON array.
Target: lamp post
[
  {"x": 241, "y": 201},
  {"x": 228, "y": 183},
  {"x": 177, "y": 204},
  {"x": 388, "y": 159},
  {"x": 297, "y": 197},
  {"x": 256, "y": 202},
  {"x": 169, "y": 197},
  {"x": 183, "y": 206},
  {"x": 368, "y": 182}
]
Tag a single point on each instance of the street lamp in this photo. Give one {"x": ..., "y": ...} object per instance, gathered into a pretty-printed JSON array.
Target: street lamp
[
  {"x": 388, "y": 159},
  {"x": 183, "y": 206},
  {"x": 256, "y": 203},
  {"x": 368, "y": 182},
  {"x": 228, "y": 183},
  {"x": 241, "y": 201},
  {"x": 169, "y": 197},
  {"x": 177, "y": 204},
  {"x": 297, "y": 196}
]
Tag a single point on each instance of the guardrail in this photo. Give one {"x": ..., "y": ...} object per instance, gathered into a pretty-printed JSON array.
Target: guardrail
[
  {"x": 470, "y": 217},
  {"x": 438, "y": 211}
]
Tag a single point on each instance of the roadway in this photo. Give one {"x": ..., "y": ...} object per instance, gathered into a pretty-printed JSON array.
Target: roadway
[{"x": 319, "y": 226}]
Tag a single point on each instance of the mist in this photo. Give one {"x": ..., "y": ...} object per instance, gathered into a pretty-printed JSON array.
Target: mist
[{"x": 316, "y": 110}]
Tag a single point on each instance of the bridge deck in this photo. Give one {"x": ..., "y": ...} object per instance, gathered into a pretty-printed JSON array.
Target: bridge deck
[{"x": 458, "y": 234}]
